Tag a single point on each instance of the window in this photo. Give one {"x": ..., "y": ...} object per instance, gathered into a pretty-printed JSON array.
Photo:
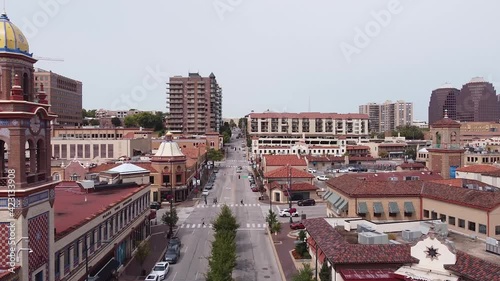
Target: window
[
  {"x": 482, "y": 228},
  {"x": 497, "y": 230},
  {"x": 76, "y": 252},
  {"x": 57, "y": 264},
  {"x": 461, "y": 223},
  {"x": 442, "y": 217},
  {"x": 105, "y": 231},
  {"x": 434, "y": 215},
  {"x": 178, "y": 179},
  {"x": 111, "y": 227},
  {"x": 451, "y": 220},
  {"x": 66, "y": 258},
  {"x": 426, "y": 213},
  {"x": 151, "y": 179},
  {"x": 472, "y": 226}
]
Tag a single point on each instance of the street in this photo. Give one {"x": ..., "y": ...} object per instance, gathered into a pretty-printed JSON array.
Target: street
[{"x": 256, "y": 260}]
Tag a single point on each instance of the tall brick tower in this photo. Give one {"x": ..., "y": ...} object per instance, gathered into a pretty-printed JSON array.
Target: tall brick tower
[
  {"x": 446, "y": 153},
  {"x": 26, "y": 186}
]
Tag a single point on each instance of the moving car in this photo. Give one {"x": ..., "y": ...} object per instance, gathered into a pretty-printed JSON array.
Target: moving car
[
  {"x": 160, "y": 269},
  {"x": 311, "y": 170},
  {"x": 173, "y": 253},
  {"x": 152, "y": 277},
  {"x": 322, "y": 178},
  {"x": 255, "y": 189},
  {"x": 306, "y": 202},
  {"x": 297, "y": 225},
  {"x": 205, "y": 193},
  {"x": 289, "y": 212},
  {"x": 174, "y": 241}
]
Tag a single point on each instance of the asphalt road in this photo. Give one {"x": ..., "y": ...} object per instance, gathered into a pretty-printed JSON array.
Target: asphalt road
[{"x": 256, "y": 260}]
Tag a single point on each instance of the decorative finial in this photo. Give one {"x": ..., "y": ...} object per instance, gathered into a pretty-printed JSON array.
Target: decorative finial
[
  {"x": 41, "y": 95},
  {"x": 16, "y": 93},
  {"x": 446, "y": 113}
]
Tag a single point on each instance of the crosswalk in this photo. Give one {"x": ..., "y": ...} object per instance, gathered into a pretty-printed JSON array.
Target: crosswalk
[
  {"x": 229, "y": 205},
  {"x": 200, "y": 225}
]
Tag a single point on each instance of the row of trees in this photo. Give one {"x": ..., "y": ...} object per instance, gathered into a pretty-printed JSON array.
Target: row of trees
[
  {"x": 410, "y": 132},
  {"x": 306, "y": 273},
  {"x": 223, "y": 256}
]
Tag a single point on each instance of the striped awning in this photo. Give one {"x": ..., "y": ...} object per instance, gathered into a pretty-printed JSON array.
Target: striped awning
[
  {"x": 362, "y": 208},
  {"x": 334, "y": 198},
  {"x": 343, "y": 206},
  {"x": 378, "y": 208},
  {"x": 327, "y": 194},
  {"x": 339, "y": 202},
  {"x": 393, "y": 207},
  {"x": 409, "y": 207}
]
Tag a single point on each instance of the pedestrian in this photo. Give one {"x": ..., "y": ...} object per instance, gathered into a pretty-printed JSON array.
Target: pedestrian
[
  {"x": 241, "y": 201},
  {"x": 203, "y": 221}
]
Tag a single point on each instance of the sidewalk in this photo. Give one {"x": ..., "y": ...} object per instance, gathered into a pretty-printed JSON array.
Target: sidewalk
[
  {"x": 158, "y": 243},
  {"x": 283, "y": 249}
]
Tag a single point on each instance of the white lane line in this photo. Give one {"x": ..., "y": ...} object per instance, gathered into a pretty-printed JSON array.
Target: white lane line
[
  {"x": 199, "y": 225},
  {"x": 248, "y": 225},
  {"x": 253, "y": 225},
  {"x": 173, "y": 278},
  {"x": 182, "y": 226}
]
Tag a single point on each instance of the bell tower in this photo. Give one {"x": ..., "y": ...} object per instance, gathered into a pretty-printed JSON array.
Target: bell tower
[{"x": 26, "y": 187}]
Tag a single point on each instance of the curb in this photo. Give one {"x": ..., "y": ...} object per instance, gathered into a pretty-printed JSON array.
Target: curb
[{"x": 280, "y": 268}]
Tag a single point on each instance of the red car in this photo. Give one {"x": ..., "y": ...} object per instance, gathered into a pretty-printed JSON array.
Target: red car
[
  {"x": 297, "y": 225},
  {"x": 255, "y": 189}
]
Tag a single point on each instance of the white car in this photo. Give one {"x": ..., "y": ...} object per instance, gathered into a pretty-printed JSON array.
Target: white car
[
  {"x": 312, "y": 171},
  {"x": 286, "y": 213},
  {"x": 160, "y": 269},
  {"x": 322, "y": 178},
  {"x": 205, "y": 192},
  {"x": 152, "y": 277}
]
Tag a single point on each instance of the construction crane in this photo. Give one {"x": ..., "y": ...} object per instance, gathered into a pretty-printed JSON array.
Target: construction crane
[{"x": 48, "y": 59}]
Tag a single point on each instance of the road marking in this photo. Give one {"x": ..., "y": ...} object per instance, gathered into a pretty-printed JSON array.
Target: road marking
[
  {"x": 196, "y": 278},
  {"x": 174, "y": 276},
  {"x": 231, "y": 205},
  {"x": 182, "y": 225},
  {"x": 248, "y": 225},
  {"x": 253, "y": 225},
  {"x": 199, "y": 225}
]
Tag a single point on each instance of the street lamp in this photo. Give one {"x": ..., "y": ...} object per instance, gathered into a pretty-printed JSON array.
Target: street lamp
[
  {"x": 289, "y": 192},
  {"x": 171, "y": 231}
]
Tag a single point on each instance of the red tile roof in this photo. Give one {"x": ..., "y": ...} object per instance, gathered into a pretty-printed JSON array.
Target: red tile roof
[
  {"x": 356, "y": 187},
  {"x": 284, "y": 172},
  {"x": 106, "y": 167},
  {"x": 74, "y": 207},
  {"x": 339, "y": 251},
  {"x": 460, "y": 182},
  {"x": 313, "y": 158},
  {"x": 357, "y": 147},
  {"x": 412, "y": 165},
  {"x": 445, "y": 123},
  {"x": 478, "y": 169},
  {"x": 392, "y": 145},
  {"x": 473, "y": 268},
  {"x": 283, "y": 160},
  {"x": 309, "y": 115},
  {"x": 300, "y": 186},
  {"x": 398, "y": 175}
]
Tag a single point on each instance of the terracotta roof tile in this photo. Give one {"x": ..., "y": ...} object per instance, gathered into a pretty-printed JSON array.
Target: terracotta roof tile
[
  {"x": 392, "y": 145},
  {"x": 412, "y": 165},
  {"x": 355, "y": 186},
  {"x": 339, "y": 251},
  {"x": 460, "y": 182},
  {"x": 283, "y": 160},
  {"x": 283, "y": 172},
  {"x": 357, "y": 147},
  {"x": 314, "y": 158},
  {"x": 478, "y": 169},
  {"x": 445, "y": 123},
  {"x": 106, "y": 167},
  {"x": 300, "y": 186},
  {"x": 474, "y": 268}
]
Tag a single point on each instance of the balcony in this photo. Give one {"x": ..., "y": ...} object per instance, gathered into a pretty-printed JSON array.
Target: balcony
[{"x": 447, "y": 146}]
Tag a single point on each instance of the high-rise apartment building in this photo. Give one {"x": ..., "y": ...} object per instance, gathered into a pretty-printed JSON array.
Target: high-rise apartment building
[
  {"x": 477, "y": 101},
  {"x": 443, "y": 99},
  {"x": 388, "y": 116},
  {"x": 64, "y": 96},
  {"x": 194, "y": 104}
]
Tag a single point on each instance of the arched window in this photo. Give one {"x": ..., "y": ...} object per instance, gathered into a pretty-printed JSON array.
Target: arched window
[
  {"x": 56, "y": 177},
  {"x": 26, "y": 89}
]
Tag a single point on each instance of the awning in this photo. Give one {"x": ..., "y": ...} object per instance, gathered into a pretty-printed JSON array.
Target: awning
[
  {"x": 107, "y": 271},
  {"x": 362, "y": 208},
  {"x": 339, "y": 202},
  {"x": 327, "y": 194},
  {"x": 393, "y": 207},
  {"x": 409, "y": 207},
  {"x": 343, "y": 206},
  {"x": 333, "y": 198},
  {"x": 378, "y": 208}
]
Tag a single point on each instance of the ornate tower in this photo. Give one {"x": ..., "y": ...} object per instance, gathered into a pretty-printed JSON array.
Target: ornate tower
[
  {"x": 26, "y": 186},
  {"x": 446, "y": 153}
]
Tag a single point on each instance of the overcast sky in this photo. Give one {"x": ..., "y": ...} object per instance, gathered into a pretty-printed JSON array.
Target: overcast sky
[{"x": 281, "y": 55}]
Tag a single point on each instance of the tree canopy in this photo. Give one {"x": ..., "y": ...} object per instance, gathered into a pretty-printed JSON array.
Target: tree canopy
[
  {"x": 215, "y": 155},
  {"x": 410, "y": 132},
  {"x": 145, "y": 120}
]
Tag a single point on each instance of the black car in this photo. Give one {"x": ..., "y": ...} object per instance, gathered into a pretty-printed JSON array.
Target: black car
[
  {"x": 172, "y": 254},
  {"x": 155, "y": 205},
  {"x": 174, "y": 241},
  {"x": 306, "y": 202}
]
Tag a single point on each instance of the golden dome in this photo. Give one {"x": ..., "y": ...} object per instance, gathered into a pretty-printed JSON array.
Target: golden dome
[{"x": 12, "y": 40}]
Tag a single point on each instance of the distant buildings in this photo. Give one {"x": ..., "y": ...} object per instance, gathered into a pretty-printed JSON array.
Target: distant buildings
[
  {"x": 388, "y": 116},
  {"x": 64, "y": 96},
  {"x": 477, "y": 101},
  {"x": 194, "y": 104}
]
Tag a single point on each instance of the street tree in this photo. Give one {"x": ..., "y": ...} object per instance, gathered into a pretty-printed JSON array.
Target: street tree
[
  {"x": 304, "y": 274},
  {"x": 271, "y": 218},
  {"x": 325, "y": 273},
  {"x": 142, "y": 253},
  {"x": 116, "y": 121},
  {"x": 170, "y": 218},
  {"x": 94, "y": 122},
  {"x": 215, "y": 155},
  {"x": 226, "y": 221},
  {"x": 276, "y": 227}
]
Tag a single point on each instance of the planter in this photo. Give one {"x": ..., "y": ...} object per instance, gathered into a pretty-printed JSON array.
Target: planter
[{"x": 299, "y": 258}]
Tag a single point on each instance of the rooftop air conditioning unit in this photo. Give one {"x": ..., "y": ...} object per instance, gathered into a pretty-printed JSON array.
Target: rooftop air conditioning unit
[
  {"x": 371, "y": 238},
  {"x": 441, "y": 228},
  {"x": 492, "y": 245},
  {"x": 411, "y": 235}
]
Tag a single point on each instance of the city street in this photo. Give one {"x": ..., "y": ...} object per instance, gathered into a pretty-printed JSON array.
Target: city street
[{"x": 256, "y": 260}]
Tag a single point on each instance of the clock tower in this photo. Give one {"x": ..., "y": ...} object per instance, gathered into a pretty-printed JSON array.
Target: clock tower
[{"x": 26, "y": 187}]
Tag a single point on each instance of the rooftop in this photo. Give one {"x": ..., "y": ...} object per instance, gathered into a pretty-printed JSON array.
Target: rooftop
[
  {"x": 74, "y": 207},
  {"x": 107, "y": 167},
  {"x": 283, "y": 160},
  {"x": 300, "y": 186},
  {"x": 285, "y": 172},
  {"x": 270, "y": 114},
  {"x": 478, "y": 169}
]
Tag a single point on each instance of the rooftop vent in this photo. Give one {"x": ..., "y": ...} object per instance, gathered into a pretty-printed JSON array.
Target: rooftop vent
[
  {"x": 372, "y": 238},
  {"x": 411, "y": 235}
]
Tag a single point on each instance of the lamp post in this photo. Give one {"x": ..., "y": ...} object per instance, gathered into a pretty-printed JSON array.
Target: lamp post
[
  {"x": 289, "y": 192},
  {"x": 171, "y": 231}
]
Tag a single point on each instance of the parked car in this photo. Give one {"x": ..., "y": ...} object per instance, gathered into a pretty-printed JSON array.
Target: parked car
[
  {"x": 173, "y": 253},
  {"x": 205, "y": 193},
  {"x": 312, "y": 171},
  {"x": 255, "y": 189},
  {"x": 306, "y": 202},
  {"x": 297, "y": 225},
  {"x": 160, "y": 269},
  {"x": 155, "y": 205},
  {"x": 209, "y": 186},
  {"x": 289, "y": 212},
  {"x": 252, "y": 185},
  {"x": 322, "y": 178},
  {"x": 152, "y": 277},
  {"x": 174, "y": 241}
]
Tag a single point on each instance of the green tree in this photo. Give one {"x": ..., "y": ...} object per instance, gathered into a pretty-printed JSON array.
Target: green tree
[
  {"x": 116, "y": 121},
  {"x": 304, "y": 274},
  {"x": 411, "y": 152},
  {"x": 410, "y": 132},
  {"x": 225, "y": 221},
  {"x": 383, "y": 153},
  {"x": 170, "y": 218},
  {"x": 381, "y": 135},
  {"x": 130, "y": 121},
  {"x": 142, "y": 253},
  {"x": 215, "y": 155},
  {"x": 325, "y": 273},
  {"x": 226, "y": 137},
  {"x": 94, "y": 122},
  {"x": 88, "y": 113},
  {"x": 231, "y": 123},
  {"x": 271, "y": 218},
  {"x": 242, "y": 122},
  {"x": 276, "y": 227}
]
